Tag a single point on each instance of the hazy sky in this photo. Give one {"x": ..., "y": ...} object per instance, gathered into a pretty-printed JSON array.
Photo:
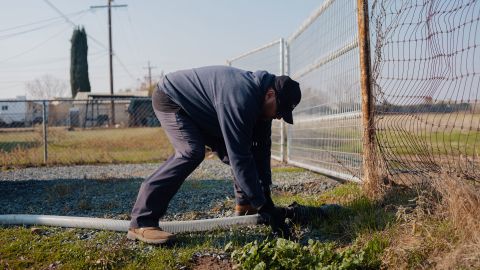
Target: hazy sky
[{"x": 35, "y": 39}]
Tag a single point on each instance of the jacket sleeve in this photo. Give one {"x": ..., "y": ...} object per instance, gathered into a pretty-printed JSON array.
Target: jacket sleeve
[
  {"x": 236, "y": 124},
  {"x": 261, "y": 150}
]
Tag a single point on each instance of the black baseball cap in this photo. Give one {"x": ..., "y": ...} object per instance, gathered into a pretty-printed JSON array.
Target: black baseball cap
[{"x": 288, "y": 96}]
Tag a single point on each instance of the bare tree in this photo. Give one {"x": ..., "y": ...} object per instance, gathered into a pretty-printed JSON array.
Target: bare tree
[{"x": 46, "y": 87}]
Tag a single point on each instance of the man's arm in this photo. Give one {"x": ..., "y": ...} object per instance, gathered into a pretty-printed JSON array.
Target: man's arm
[
  {"x": 261, "y": 150},
  {"x": 237, "y": 125}
]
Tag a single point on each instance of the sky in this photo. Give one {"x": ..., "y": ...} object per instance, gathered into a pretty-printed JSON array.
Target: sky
[{"x": 172, "y": 35}]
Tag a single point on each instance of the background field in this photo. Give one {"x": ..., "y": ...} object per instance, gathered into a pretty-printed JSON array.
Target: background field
[{"x": 22, "y": 148}]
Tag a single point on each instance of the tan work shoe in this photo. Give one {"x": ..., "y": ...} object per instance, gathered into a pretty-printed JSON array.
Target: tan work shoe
[
  {"x": 151, "y": 235},
  {"x": 247, "y": 209}
]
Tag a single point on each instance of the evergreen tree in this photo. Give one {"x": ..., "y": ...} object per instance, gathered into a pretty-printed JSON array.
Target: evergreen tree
[{"x": 79, "y": 80}]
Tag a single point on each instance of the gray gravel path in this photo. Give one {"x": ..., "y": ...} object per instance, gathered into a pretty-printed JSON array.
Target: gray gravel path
[{"x": 110, "y": 190}]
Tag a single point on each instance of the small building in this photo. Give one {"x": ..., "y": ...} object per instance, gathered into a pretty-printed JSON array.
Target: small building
[
  {"x": 95, "y": 109},
  {"x": 19, "y": 112}
]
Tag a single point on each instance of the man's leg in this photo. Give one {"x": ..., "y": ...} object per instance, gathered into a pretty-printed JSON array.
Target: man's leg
[
  {"x": 242, "y": 204},
  {"x": 157, "y": 190},
  {"x": 240, "y": 196}
]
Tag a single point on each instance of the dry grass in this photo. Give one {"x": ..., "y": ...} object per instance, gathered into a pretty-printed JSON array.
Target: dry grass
[
  {"x": 25, "y": 148},
  {"x": 461, "y": 205},
  {"x": 439, "y": 230}
]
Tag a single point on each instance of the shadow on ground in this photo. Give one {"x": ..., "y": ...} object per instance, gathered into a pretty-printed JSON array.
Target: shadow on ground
[{"x": 103, "y": 198}]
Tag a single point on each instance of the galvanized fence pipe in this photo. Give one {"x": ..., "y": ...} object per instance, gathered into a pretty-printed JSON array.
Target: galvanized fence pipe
[
  {"x": 283, "y": 127},
  {"x": 44, "y": 128}
]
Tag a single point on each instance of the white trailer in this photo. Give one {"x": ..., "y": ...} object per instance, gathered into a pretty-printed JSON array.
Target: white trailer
[{"x": 13, "y": 111}]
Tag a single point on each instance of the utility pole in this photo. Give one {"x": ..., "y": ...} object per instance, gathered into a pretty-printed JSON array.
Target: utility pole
[
  {"x": 149, "y": 75},
  {"x": 110, "y": 47}
]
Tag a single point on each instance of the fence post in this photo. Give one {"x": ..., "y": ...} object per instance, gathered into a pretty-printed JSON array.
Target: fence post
[
  {"x": 112, "y": 108},
  {"x": 286, "y": 64},
  {"x": 372, "y": 184},
  {"x": 44, "y": 125},
  {"x": 283, "y": 127}
]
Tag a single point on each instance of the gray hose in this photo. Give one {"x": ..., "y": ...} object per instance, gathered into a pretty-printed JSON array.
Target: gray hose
[{"x": 122, "y": 225}]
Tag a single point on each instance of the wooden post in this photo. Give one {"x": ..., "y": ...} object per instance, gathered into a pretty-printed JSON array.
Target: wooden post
[{"x": 372, "y": 184}]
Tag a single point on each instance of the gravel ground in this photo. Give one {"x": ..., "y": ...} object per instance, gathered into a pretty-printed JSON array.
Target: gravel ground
[{"x": 110, "y": 190}]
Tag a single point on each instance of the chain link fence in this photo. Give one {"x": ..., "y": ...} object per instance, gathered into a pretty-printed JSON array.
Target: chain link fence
[{"x": 70, "y": 131}]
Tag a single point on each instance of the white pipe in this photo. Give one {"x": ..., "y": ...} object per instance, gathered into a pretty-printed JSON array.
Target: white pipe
[{"x": 123, "y": 225}]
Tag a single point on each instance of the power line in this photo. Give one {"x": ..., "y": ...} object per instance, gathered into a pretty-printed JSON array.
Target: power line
[
  {"x": 73, "y": 24},
  {"x": 6, "y": 36},
  {"x": 92, "y": 38},
  {"x": 42, "y": 21},
  {"x": 11, "y": 35},
  {"x": 89, "y": 36},
  {"x": 125, "y": 68},
  {"x": 34, "y": 47},
  {"x": 49, "y": 60}
]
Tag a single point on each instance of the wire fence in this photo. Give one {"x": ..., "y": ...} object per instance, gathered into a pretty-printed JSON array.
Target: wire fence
[
  {"x": 426, "y": 82},
  {"x": 323, "y": 57},
  {"x": 70, "y": 131}
]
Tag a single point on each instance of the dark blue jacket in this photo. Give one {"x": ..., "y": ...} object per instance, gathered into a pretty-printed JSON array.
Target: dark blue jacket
[{"x": 225, "y": 102}]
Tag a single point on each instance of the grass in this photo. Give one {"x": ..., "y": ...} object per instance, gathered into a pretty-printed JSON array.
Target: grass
[
  {"x": 286, "y": 169},
  {"x": 22, "y": 249},
  {"x": 105, "y": 250},
  {"x": 359, "y": 216},
  {"x": 407, "y": 229},
  {"x": 361, "y": 228},
  {"x": 130, "y": 145},
  {"x": 435, "y": 143}
]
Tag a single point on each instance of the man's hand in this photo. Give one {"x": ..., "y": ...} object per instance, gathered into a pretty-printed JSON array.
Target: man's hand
[{"x": 275, "y": 217}]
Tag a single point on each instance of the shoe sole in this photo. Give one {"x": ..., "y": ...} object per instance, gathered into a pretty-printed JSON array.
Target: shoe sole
[{"x": 133, "y": 236}]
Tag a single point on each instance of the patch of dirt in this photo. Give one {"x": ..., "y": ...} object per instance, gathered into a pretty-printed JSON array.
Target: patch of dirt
[{"x": 211, "y": 263}]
